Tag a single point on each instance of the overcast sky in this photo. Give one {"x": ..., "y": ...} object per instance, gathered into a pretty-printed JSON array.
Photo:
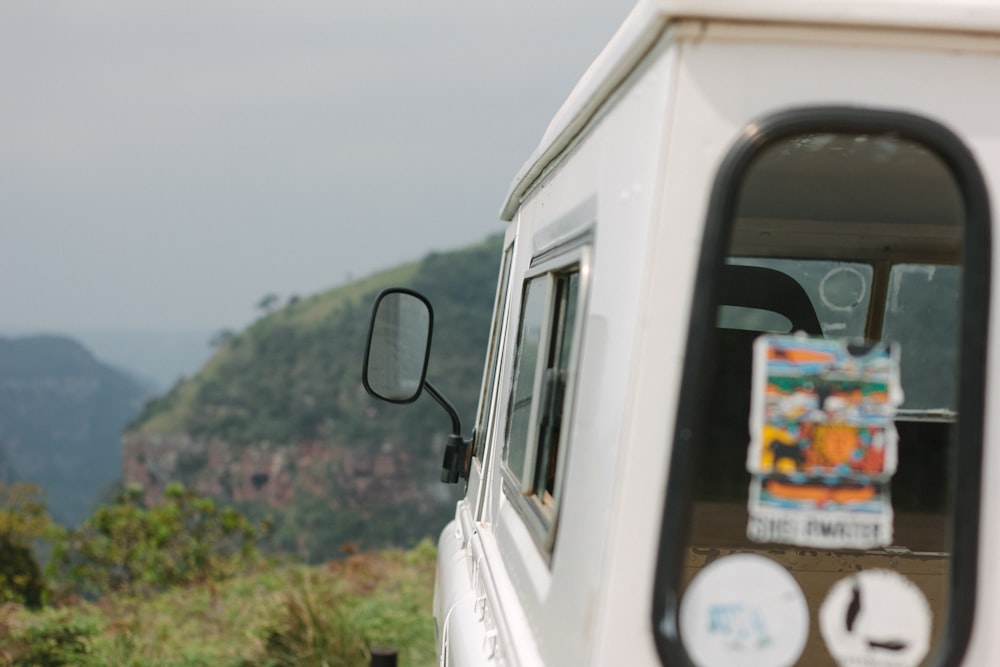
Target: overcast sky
[{"x": 166, "y": 163}]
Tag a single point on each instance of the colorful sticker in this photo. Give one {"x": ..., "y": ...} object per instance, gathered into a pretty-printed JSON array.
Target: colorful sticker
[
  {"x": 823, "y": 442},
  {"x": 744, "y": 609},
  {"x": 876, "y": 618}
]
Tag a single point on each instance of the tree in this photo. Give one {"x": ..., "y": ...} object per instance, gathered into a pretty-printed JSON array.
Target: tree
[
  {"x": 220, "y": 338},
  {"x": 23, "y": 521},
  {"x": 268, "y": 302}
]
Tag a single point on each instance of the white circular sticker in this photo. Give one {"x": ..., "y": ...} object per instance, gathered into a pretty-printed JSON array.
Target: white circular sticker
[
  {"x": 876, "y": 618},
  {"x": 744, "y": 610}
]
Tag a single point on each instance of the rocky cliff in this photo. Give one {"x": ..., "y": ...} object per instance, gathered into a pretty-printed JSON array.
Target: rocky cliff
[{"x": 355, "y": 489}]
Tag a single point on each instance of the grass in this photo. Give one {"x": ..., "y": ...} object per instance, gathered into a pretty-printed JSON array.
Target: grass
[{"x": 287, "y": 615}]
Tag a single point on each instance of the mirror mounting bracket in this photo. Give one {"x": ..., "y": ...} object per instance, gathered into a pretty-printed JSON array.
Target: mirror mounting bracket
[
  {"x": 456, "y": 453},
  {"x": 456, "y": 460}
]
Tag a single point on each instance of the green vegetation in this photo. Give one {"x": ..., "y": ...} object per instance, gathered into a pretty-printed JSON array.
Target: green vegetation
[
  {"x": 125, "y": 547},
  {"x": 311, "y": 531},
  {"x": 23, "y": 521},
  {"x": 386, "y": 604},
  {"x": 172, "y": 600},
  {"x": 278, "y": 616}
]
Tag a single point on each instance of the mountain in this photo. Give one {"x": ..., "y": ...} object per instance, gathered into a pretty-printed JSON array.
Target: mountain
[
  {"x": 61, "y": 415},
  {"x": 156, "y": 358},
  {"x": 278, "y": 423}
]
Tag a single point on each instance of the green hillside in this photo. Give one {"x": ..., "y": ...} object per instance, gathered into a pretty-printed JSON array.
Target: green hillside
[{"x": 294, "y": 376}]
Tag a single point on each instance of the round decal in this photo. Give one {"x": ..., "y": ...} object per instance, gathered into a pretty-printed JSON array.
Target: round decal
[
  {"x": 744, "y": 610},
  {"x": 876, "y": 618},
  {"x": 843, "y": 288}
]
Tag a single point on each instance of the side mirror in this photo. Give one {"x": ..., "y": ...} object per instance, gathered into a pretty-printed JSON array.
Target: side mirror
[
  {"x": 399, "y": 342},
  {"x": 395, "y": 369}
]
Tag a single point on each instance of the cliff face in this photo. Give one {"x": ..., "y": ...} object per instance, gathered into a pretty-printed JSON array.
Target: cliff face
[
  {"x": 275, "y": 475},
  {"x": 318, "y": 496}
]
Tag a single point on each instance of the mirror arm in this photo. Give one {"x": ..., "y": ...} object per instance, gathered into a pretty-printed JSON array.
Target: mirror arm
[
  {"x": 456, "y": 426},
  {"x": 456, "y": 453}
]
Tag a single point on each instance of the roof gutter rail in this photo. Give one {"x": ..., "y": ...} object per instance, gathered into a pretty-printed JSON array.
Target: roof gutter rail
[{"x": 641, "y": 29}]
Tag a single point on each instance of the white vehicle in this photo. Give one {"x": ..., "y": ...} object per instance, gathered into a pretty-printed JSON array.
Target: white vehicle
[{"x": 739, "y": 383}]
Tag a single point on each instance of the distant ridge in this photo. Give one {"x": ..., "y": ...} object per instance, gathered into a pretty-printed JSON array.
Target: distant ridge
[{"x": 61, "y": 413}]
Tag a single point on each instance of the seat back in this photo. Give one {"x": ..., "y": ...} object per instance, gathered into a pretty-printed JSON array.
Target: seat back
[{"x": 728, "y": 429}]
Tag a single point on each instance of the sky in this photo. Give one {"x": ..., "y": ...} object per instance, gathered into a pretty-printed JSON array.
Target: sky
[{"x": 164, "y": 164}]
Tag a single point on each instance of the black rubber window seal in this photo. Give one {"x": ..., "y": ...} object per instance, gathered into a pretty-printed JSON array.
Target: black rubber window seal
[{"x": 692, "y": 409}]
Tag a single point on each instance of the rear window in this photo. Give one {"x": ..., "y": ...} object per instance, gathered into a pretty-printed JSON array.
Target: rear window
[{"x": 832, "y": 402}]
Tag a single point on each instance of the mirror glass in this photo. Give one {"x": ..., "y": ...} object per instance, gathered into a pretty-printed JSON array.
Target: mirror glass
[{"x": 398, "y": 346}]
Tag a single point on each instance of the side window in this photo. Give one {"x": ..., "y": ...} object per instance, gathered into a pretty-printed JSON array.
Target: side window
[
  {"x": 567, "y": 287},
  {"x": 829, "y": 430},
  {"x": 539, "y": 405}
]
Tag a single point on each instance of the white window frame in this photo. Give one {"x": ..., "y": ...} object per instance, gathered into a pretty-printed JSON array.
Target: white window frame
[{"x": 518, "y": 486}]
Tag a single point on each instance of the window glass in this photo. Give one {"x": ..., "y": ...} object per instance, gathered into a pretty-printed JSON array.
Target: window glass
[
  {"x": 921, "y": 312},
  {"x": 525, "y": 371},
  {"x": 801, "y": 450},
  {"x": 557, "y": 371}
]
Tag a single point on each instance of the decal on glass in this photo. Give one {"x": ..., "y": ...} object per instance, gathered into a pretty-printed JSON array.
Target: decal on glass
[
  {"x": 876, "y": 618},
  {"x": 823, "y": 442},
  {"x": 745, "y": 610}
]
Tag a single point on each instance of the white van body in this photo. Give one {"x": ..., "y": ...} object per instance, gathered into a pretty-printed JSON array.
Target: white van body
[{"x": 621, "y": 190}]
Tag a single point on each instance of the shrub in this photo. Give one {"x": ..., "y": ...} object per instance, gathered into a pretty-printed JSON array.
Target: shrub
[
  {"x": 51, "y": 640},
  {"x": 128, "y": 547},
  {"x": 23, "y": 521},
  {"x": 312, "y": 626},
  {"x": 20, "y": 577}
]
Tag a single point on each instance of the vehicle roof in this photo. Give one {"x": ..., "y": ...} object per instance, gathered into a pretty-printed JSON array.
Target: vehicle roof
[{"x": 649, "y": 17}]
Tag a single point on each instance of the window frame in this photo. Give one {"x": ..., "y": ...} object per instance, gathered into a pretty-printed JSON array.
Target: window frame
[
  {"x": 692, "y": 409},
  {"x": 485, "y": 421},
  {"x": 540, "y": 518}
]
